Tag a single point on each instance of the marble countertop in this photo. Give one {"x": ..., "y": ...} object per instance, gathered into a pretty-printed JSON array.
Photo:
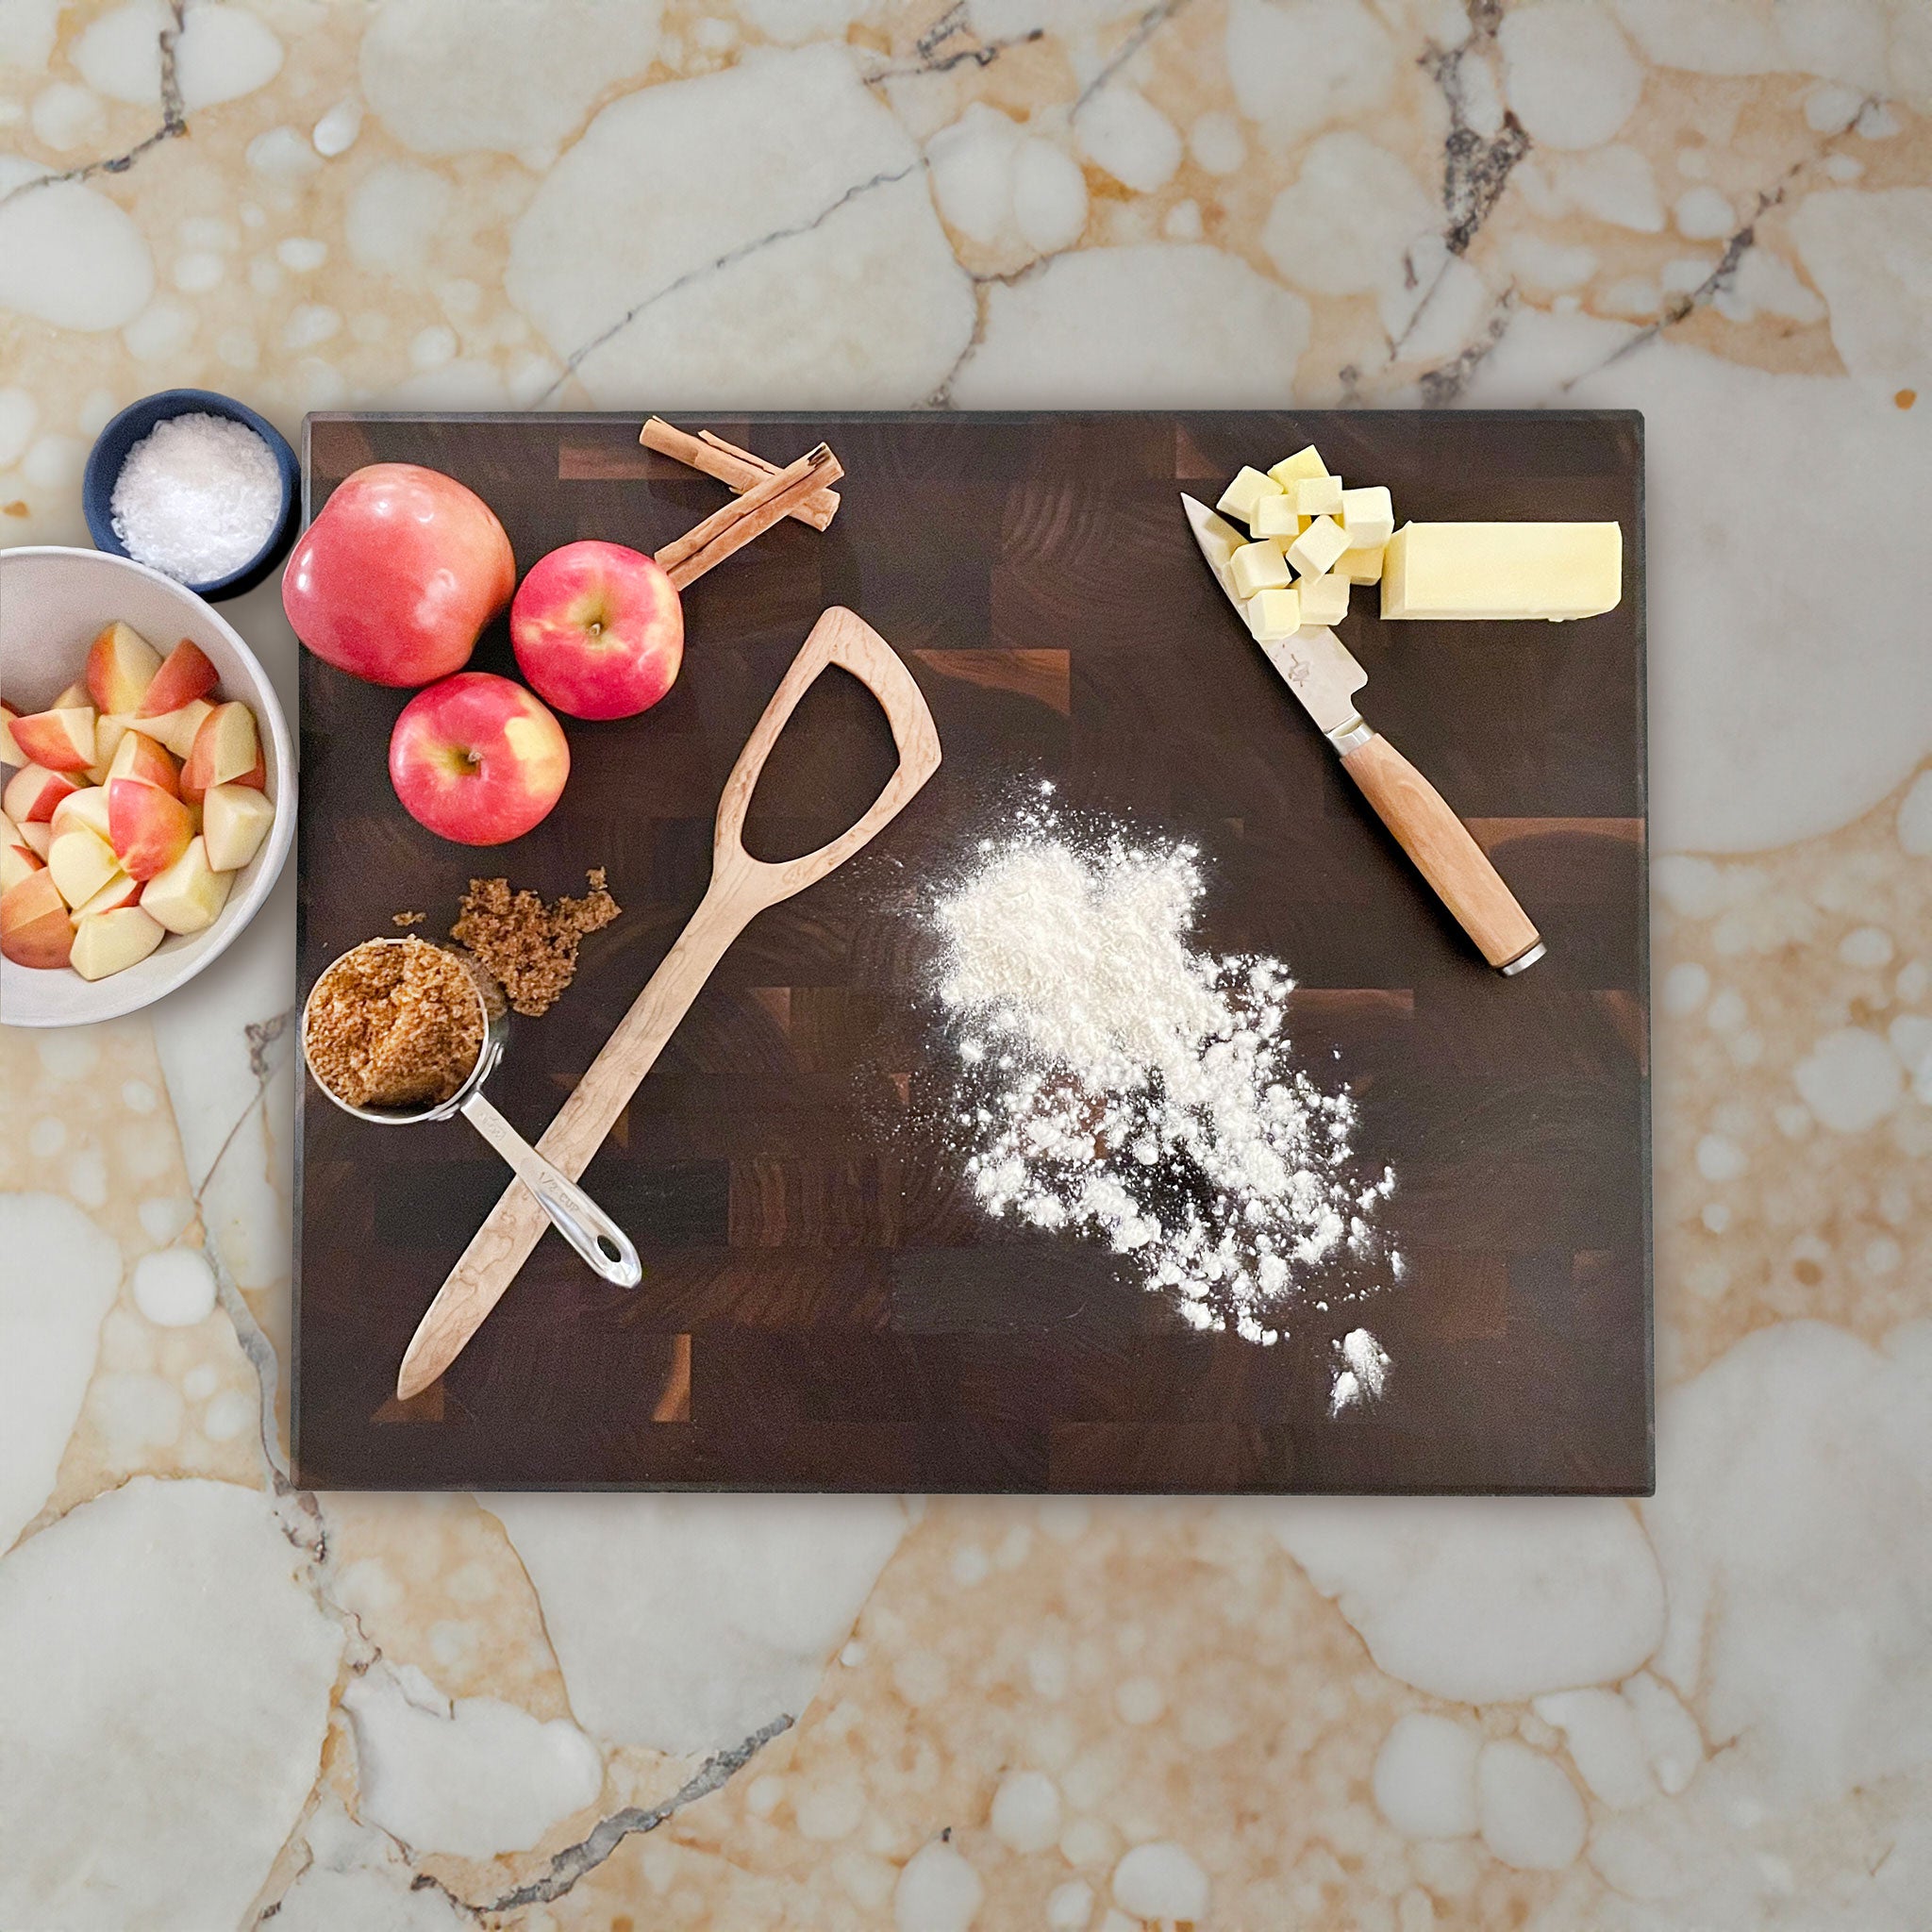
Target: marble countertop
[{"x": 226, "y": 1702}]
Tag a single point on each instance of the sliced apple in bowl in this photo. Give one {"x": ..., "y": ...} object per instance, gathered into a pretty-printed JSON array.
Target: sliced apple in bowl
[
  {"x": 61, "y": 740},
  {"x": 187, "y": 896},
  {"x": 106, "y": 943},
  {"x": 35, "y": 927},
  {"x": 81, "y": 864},
  {"x": 185, "y": 675},
  {"x": 234, "y": 821},
  {"x": 120, "y": 668},
  {"x": 149, "y": 828},
  {"x": 226, "y": 751}
]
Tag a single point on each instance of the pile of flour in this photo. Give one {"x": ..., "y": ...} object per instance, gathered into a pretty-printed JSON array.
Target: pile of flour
[{"x": 1119, "y": 1081}]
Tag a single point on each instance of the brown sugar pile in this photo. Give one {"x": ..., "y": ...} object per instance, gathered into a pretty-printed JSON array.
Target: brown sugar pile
[
  {"x": 530, "y": 948},
  {"x": 396, "y": 1023}
]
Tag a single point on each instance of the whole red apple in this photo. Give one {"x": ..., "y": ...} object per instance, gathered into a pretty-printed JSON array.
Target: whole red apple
[
  {"x": 395, "y": 580},
  {"x": 598, "y": 629},
  {"x": 477, "y": 760}
]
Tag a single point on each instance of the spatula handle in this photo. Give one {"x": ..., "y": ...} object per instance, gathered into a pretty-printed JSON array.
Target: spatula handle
[{"x": 1443, "y": 852}]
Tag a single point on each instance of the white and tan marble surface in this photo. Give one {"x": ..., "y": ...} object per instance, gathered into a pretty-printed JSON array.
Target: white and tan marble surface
[{"x": 227, "y": 1704}]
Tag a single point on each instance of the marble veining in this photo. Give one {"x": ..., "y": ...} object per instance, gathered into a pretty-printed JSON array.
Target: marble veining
[{"x": 224, "y": 1703}]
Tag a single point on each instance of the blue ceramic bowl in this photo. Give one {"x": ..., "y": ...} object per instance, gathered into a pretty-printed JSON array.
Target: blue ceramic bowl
[{"x": 111, "y": 451}]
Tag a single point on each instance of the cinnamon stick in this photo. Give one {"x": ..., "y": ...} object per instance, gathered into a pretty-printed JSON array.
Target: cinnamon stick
[
  {"x": 739, "y": 468},
  {"x": 708, "y": 543}
]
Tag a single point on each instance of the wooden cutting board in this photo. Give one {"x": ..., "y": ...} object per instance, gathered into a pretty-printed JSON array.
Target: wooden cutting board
[{"x": 826, "y": 1307}]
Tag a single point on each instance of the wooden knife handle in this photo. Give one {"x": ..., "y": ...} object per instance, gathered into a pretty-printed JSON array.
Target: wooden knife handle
[{"x": 1443, "y": 852}]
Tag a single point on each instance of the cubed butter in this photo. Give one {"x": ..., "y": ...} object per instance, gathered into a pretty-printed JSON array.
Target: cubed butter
[
  {"x": 1553, "y": 570},
  {"x": 1258, "y": 567},
  {"x": 1272, "y": 614},
  {"x": 1318, "y": 496},
  {"x": 1305, "y": 462},
  {"x": 1317, "y": 547},
  {"x": 1361, "y": 566},
  {"x": 1276, "y": 516},
  {"x": 1248, "y": 488},
  {"x": 1368, "y": 516},
  {"x": 1323, "y": 598}
]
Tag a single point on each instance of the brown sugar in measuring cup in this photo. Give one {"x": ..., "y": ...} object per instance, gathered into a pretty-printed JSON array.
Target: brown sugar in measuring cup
[{"x": 398, "y": 1032}]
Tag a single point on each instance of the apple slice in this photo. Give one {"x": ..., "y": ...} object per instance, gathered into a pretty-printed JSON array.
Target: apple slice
[
  {"x": 176, "y": 729},
  {"x": 32, "y": 794},
  {"x": 150, "y": 828},
  {"x": 234, "y": 821},
  {"x": 227, "y": 751},
  {"x": 106, "y": 943},
  {"x": 120, "y": 891},
  {"x": 186, "y": 674},
  {"x": 120, "y": 668},
  {"x": 110, "y": 728},
  {"x": 88, "y": 806},
  {"x": 35, "y": 929},
  {"x": 75, "y": 693},
  {"x": 61, "y": 740},
  {"x": 38, "y": 838},
  {"x": 187, "y": 896},
  {"x": 16, "y": 861},
  {"x": 139, "y": 757},
  {"x": 11, "y": 754},
  {"x": 82, "y": 862}
]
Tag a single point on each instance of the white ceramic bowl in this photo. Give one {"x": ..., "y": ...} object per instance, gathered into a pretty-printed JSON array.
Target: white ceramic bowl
[{"x": 52, "y": 604}]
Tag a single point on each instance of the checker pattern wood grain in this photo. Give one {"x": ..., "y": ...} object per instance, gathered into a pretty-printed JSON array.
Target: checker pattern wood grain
[{"x": 825, "y": 1306}]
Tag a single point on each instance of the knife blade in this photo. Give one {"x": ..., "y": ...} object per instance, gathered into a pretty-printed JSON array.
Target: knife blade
[{"x": 1323, "y": 675}]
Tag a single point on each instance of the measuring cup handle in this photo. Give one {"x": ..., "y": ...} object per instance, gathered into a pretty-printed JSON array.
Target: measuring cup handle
[{"x": 578, "y": 1218}]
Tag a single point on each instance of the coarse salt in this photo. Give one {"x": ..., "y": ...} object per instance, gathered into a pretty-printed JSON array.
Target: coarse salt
[
  {"x": 198, "y": 496},
  {"x": 1116, "y": 1079}
]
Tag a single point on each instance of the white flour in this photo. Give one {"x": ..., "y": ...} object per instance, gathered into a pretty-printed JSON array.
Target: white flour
[
  {"x": 1121, "y": 1082},
  {"x": 1363, "y": 1368}
]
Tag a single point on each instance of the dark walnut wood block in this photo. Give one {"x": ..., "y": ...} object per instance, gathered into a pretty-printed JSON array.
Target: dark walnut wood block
[{"x": 825, "y": 1306}]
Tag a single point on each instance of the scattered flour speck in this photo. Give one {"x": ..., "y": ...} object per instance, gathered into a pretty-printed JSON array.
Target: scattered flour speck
[{"x": 1117, "y": 1080}]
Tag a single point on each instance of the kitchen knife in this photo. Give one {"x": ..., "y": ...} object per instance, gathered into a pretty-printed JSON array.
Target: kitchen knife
[{"x": 1317, "y": 668}]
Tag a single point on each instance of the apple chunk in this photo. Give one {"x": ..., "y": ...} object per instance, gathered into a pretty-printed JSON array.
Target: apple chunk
[
  {"x": 176, "y": 729},
  {"x": 11, "y": 754},
  {"x": 38, "y": 837},
  {"x": 106, "y": 943},
  {"x": 82, "y": 862},
  {"x": 61, "y": 740},
  {"x": 139, "y": 757},
  {"x": 35, "y": 929},
  {"x": 234, "y": 822},
  {"x": 121, "y": 667},
  {"x": 150, "y": 828},
  {"x": 187, "y": 896},
  {"x": 16, "y": 861},
  {"x": 226, "y": 751},
  {"x": 88, "y": 806},
  {"x": 33, "y": 791},
  {"x": 186, "y": 674},
  {"x": 120, "y": 891}
]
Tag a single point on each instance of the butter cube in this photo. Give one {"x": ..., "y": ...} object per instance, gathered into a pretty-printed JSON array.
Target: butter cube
[
  {"x": 1272, "y": 614},
  {"x": 1553, "y": 570},
  {"x": 1323, "y": 599},
  {"x": 1305, "y": 462},
  {"x": 1276, "y": 516},
  {"x": 1318, "y": 496},
  {"x": 1361, "y": 566},
  {"x": 1317, "y": 547},
  {"x": 1368, "y": 516},
  {"x": 1258, "y": 567},
  {"x": 1248, "y": 488}
]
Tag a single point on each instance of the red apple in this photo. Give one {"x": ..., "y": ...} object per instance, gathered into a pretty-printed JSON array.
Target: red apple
[
  {"x": 226, "y": 751},
  {"x": 477, "y": 760},
  {"x": 35, "y": 929},
  {"x": 598, "y": 630},
  {"x": 62, "y": 739},
  {"x": 121, "y": 667},
  {"x": 395, "y": 580},
  {"x": 150, "y": 828},
  {"x": 185, "y": 675},
  {"x": 33, "y": 791}
]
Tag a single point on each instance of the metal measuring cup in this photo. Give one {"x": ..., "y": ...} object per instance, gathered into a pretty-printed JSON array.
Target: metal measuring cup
[{"x": 578, "y": 1218}]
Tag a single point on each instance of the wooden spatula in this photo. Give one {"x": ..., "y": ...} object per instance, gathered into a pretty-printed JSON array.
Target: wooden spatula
[{"x": 742, "y": 887}]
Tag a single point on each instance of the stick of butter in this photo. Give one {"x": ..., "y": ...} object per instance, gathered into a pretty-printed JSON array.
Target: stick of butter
[{"x": 1553, "y": 570}]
